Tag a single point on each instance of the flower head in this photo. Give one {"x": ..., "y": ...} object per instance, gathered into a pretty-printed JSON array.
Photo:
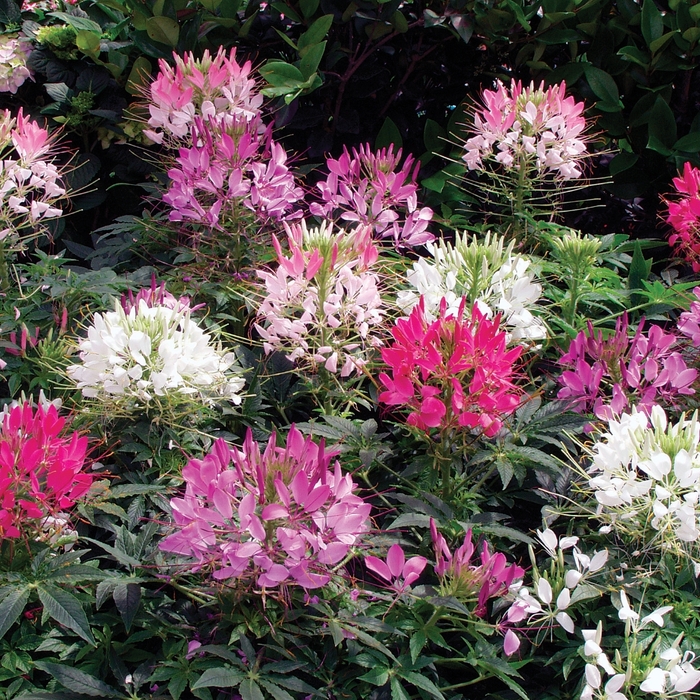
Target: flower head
[
  {"x": 529, "y": 128},
  {"x": 286, "y": 515},
  {"x": 14, "y": 52},
  {"x": 152, "y": 356},
  {"x": 684, "y": 216},
  {"x": 450, "y": 372},
  {"x": 397, "y": 570}
]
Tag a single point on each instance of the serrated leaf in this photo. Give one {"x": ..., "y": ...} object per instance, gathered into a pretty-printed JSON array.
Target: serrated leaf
[
  {"x": 398, "y": 692},
  {"x": 418, "y": 641},
  {"x": 274, "y": 690},
  {"x": 219, "y": 677},
  {"x": 11, "y": 608},
  {"x": 422, "y": 682},
  {"x": 78, "y": 681},
  {"x": 376, "y": 676},
  {"x": 66, "y": 609},
  {"x": 250, "y": 690},
  {"x": 584, "y": 591},
  {"x": 127, "y": 598},
  {"x": 120, "y": 556}
]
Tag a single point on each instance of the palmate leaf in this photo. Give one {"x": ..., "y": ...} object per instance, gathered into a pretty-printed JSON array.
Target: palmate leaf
[
  {"x": 66, "y": 609},
  {"x": 219, "y": 677}
]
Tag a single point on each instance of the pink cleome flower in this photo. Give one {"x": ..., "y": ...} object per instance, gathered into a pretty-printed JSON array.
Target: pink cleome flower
[
  {"x": 606, "y": 375},
  {"x": 369, "y": 188},
  {"x": 689, "y": 321},
  {"x": 398, "y": 571},
  {"x": 529, "y": 124},
  {"x": 284, "y": 516},
  {"x": 459, "y": 577},
  {"x": 452, "y": 372},
  {"x": 684, "y": 216},
  {"x": 41, "y": 470}
]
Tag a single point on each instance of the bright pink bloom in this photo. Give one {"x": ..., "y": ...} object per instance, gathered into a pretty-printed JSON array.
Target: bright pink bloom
[
  {"x": 689, "y": 322},
  {"x": 370, "y": 189},
  {"x": 286, "y": 515},
  {"x": 156, "y": 295},
  {"x": 41, "y": 471},
  {"x": 530, "y": 124},
  {"x": 397, "y": 570},
  {"x": 451, "y": 372},
  {"x": 684, "y": 216},
  {"x": 606, "y": 375}
]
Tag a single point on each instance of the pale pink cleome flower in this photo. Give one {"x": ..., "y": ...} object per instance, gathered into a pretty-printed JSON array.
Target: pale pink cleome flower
[
  {"x": 689, "y": 321},
  {"x": 519, "y": 126},
  {"x": 30, "y": 182},
  {"x": 287, "y": 515},
  {"x": 210, "y": 86},
  {"x": 370, "y": 189},
  {"x": 323, "y": 303},
  {"x": 604, "y": 375},
  {"x": 398, "y": 571}
]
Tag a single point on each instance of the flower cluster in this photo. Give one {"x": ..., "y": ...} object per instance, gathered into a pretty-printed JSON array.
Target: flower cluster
[
  {"x": 467, "y": 581},
  {"x": 371, "y": 189},
  {"x": 548, "y": 603},
  {"x": 30, "y": 182},
  {"x": 14, "y": 51},
  {"x": 211, "y": 86},
  {"x": 486, "y": 274},
  {"x": 156, "y": 295},
  {"x": 284, "y": 516},
  {"x": 323, "y": 302},
  {"x": 151, "y": 356},
  {"x": 231, "y": 171},
  {"x": 684, "y": 216},
  {"x": 529, "y": 128},
  {"x": 450, "y": 372},
  {"x": 606, "y": 374},
  {"x": 41, "y": 470},
  {"x": 645, "y": 477}
]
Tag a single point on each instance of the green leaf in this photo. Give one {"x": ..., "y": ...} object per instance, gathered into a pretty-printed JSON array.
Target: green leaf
[
  {"x": 316, "y": 32},
  {"x": 399, "y": 22},
  {"x": 88, "y": 42},
  {"x": 121, "y": 556},
  {"x": 659, "y": 43},
  {"x": 219, "y": 677},
  {"x": 139, "y": 76},
  {"x": 10, "y": 12},
  {"x": 274, "y": 690},
  {"x": 127, "y": 598},
  {"x": 250, "y": 690},
  {"x": 11, "y": 608},
  {"x": 163, "y": 30},
  {"x": 652, "y": 22},
  {"x": 388, "y": 134},
  {"x": 397, "y": 690},
  {"x": 662, "y": 127},
  {"x": 78, "y": 681},
  {"x": 308, "y": 7},
  {"x": 690, "y": 143},
  {"x": 281, "y": 74},
  {"x": 312, "y": 57},
  {"x": 416, "y": 644},
  {"x": 376, "y": 676},
  {"x": 634, "y": 55},
  {"x": 66, "y": 609},
  {"x": 78, "y": 23},
  {"x": 422, "y": 682},
  {"x": 604, "y": 87},
  {"x": 505, "y": 470}
]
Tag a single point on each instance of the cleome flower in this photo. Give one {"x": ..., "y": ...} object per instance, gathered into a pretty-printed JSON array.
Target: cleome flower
[
  {"x": 287, "y": 515},
  {"x": 606, "y": 374},
  {"x": 41, "y": 472},
  {"x": 31, "y": 186},
  {"x": 645, "y": 477},
  {"x": 210, "y": 86},
  {"x": 452, "y": 372},
  {"x": 684, "y": 216},
  {"x": 370, "y": 189},
  {"x": 529, "y": 128},
  {"x": 484, "y": 273},
  {"x": 323, "y": 306},
  {"x": 492, "y": 577},
  {"x": 152, "y": 356}
]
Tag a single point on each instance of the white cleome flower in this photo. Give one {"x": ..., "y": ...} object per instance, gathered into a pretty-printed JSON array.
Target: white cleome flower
[
  {"x": 132, "y": 359},
  {"x": 484, "y": 272}
]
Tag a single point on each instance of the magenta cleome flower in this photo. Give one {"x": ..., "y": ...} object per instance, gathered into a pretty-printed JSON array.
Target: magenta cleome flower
[
  {"x": 459, "y": 577},
  {"x": 529, "y": 127},
  {"x": 606, "y": 375},
  {"x": 287, "y": 515},
  {"x": 453, "y": 372},
  {"x": 370, "y": 189},
  {"x": 684, "y": 216},
  {"x": 689, "y": 321}
]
